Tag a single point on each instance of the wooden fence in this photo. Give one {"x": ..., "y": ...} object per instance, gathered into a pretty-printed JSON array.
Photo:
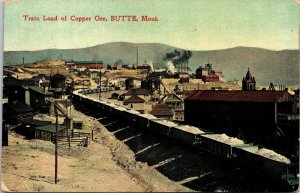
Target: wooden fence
[{"x": 77, "y": 138}]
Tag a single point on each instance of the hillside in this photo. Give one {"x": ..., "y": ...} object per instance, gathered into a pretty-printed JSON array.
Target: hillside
[{"x": 279, "y": 67}]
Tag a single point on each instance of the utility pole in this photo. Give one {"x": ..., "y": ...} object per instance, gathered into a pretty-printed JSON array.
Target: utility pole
[
  {"x": 100, "y": 76},
  {"x": 56, "y": 137},
  {"x": 137, "y": 56}
]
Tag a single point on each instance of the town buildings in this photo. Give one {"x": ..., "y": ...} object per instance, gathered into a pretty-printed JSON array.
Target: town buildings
[
  {"x": 207, "y": 74},
  {"x": 246, "y": 111}
]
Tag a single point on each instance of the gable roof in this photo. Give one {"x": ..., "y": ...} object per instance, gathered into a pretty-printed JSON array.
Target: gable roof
[
  {"x": 39, "y": 90},
  {"x": 239, "y": 96},
  {"x": 36, "y": 122},
  {"x": 134, "y": 99},
  {"x": 162, "y": 110},
  {"x": 172, "y": 98},
  {"x": 50, "y": 128}
]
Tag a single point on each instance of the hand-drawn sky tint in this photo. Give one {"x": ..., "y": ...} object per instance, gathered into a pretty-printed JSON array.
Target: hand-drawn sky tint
[{"x": 189, "y": 24}]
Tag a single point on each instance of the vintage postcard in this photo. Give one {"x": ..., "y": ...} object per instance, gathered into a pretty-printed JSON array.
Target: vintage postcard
[{"x": 150, "y": 96}]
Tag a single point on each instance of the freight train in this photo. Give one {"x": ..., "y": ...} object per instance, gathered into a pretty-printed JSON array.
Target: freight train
[{"x": 268, "y": 164}]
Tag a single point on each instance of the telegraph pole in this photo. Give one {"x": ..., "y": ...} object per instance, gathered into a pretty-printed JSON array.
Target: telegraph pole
[
  {"x": 137, "y": 55},
  {"x": 100, "y": 76},
  {"x": 56, "y": 132}
]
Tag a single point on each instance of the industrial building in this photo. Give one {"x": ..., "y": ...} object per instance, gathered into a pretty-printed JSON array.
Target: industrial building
[
  {"x": 27, "y": 91},
  {"x": 207, "y": 74},
  {"x": 247, "y": 112}
]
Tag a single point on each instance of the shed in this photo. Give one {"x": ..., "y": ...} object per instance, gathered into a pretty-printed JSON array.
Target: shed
[
  {"x": 47, "y": 132},
  {"x": 28, "y": 127}
]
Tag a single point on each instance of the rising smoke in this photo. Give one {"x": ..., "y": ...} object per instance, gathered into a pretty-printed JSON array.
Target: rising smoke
[
  {"x": 151, "y": 66},
  {"x": 171, "y": 67}
]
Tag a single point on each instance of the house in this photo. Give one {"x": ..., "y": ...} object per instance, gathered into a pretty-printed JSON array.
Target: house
[
  {"x": 176, "y": 104},
  {"x": 136, "y": 103},
  {"x": 47, "y": 132},
  {"x": 162, "y": 111},
  {"x": 141, "y": 92},
  {"x": 173, "y": 101}
]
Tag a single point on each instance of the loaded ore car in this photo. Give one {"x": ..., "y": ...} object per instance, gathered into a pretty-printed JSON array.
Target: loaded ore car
[
  {"x": 263, "y": 162},
  {"x": 118, "y": 111},
  {"x": 219, "y": 144},
  {"x": 131, "y": 116},
  {"x": 111, "y": 108},
  {"x": 161, "y": 126},
  {"x": 105, "y": 107},
  {"x": 143, "y": 120},
  {"x": 267, "y": 163},
  {"x": 187, "y": 134}
]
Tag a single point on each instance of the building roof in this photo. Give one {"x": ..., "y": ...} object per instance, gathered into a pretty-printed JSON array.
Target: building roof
[
  {"x": 134, "y": 99},
  {"x": 239, "y": 96},
  {"x": 162, "y": 110},
  {"x": 34, "y": 122},
  {"x": 249, "y": 77},
  {"x": 50, "y": 128},
  {"x": 39, "y": 90},
  {"x": 172, "y": 98},
  {"x": 140, "y": 91},
  {"x": 18, "y": 82}
]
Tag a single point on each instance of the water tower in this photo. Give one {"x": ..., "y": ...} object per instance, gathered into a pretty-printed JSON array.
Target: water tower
[{"x": 57, "y": 85}]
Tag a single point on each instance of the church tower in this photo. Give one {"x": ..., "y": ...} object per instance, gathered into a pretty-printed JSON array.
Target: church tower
[{"x": 249, "y": 82}]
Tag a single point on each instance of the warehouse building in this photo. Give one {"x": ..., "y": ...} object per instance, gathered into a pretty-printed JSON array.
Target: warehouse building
[
  {"x": 247, "y": 112},
  {"x": 207, "y": 74}
]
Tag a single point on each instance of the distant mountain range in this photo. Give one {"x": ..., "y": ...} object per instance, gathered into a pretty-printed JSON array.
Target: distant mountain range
[{"x": 279, "y": 67}]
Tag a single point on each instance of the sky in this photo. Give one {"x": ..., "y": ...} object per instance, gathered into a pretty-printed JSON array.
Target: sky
[{"x": 187, "y": 24}]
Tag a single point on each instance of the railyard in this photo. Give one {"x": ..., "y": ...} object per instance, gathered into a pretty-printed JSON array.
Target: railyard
[
  {"x": 121, "y": 158},
  {"x": 134, "y": 151}
]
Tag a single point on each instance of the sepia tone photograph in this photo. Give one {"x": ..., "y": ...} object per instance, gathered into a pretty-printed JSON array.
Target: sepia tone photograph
[{"x": 150, "y": 96}]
